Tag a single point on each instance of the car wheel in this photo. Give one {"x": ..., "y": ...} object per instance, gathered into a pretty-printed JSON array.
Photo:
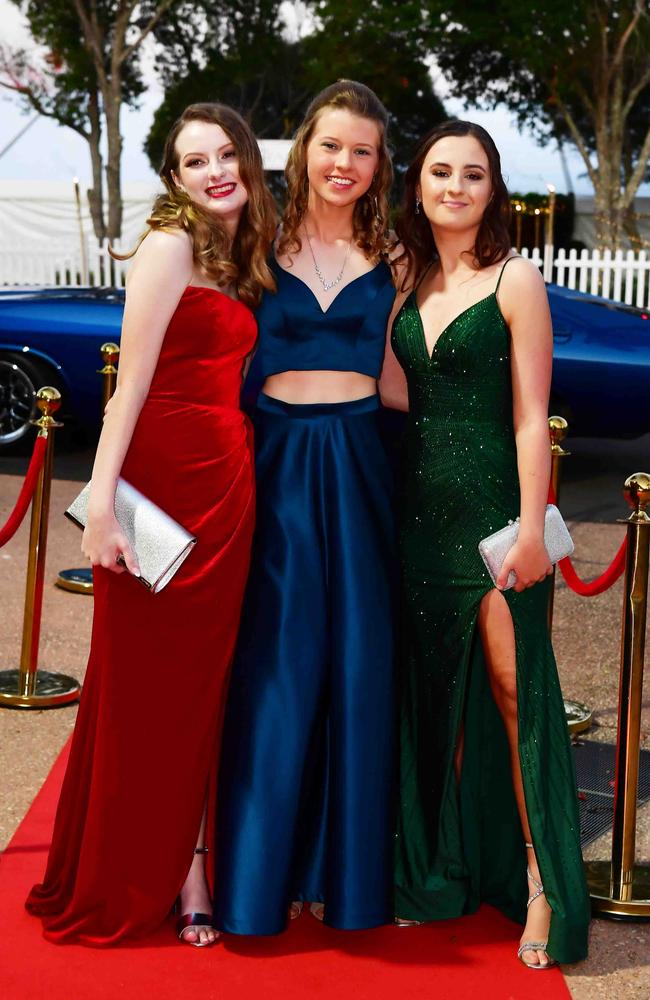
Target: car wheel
[{"x": 20, "y": 379}]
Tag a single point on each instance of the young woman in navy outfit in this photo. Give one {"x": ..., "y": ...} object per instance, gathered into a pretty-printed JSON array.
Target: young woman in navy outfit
[{"x": 307, "y": 763}]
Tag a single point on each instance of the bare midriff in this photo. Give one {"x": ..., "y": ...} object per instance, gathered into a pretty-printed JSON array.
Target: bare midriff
[{"x": 319, "y": 386}]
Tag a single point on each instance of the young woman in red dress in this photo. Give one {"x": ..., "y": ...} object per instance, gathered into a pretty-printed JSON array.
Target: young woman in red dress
[{"x": 129, "y": 834}]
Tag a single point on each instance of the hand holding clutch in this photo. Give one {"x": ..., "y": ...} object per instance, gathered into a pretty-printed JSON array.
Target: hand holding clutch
[
  {"x": 105, "y": 544},
  {"x": 159, "y": 543},
  {"x": 495, "y": 547},
  {"x": 529, "y": 562}
]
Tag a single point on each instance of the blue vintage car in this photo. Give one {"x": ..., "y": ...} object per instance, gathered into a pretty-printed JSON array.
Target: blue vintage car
[
  {"x": 53, "y": 337},
  {"x": 601, "y": 372},
  {"x": 601, "y": 366}
]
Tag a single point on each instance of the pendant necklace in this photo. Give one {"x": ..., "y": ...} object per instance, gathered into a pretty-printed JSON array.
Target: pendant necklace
[{"x": 328, "y": 285}]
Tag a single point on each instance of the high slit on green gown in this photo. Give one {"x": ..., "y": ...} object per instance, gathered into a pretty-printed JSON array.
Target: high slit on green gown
[{"x": 461, "y": 843}]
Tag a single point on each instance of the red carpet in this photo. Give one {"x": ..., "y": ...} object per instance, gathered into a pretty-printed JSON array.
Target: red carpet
[{"x": 468, "y": 959}]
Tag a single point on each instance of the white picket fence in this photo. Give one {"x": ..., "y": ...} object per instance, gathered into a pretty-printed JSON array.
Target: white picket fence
[
  {"x": 623, "y": 276},
  {"x": 61, "y": 262}
]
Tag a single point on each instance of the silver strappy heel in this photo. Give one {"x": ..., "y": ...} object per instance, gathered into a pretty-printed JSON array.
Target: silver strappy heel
[{"x": 535, "y": 945}]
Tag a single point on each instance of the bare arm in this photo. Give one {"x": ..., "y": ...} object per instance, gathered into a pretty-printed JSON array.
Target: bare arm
[
  {"x": 392, "y": 386},
  {"x": 523, "y": 301},
  {"x": 161, "y": 270}
]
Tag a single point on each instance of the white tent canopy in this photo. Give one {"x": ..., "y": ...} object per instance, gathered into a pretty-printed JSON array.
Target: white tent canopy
[{"x": 33, "y": 211}]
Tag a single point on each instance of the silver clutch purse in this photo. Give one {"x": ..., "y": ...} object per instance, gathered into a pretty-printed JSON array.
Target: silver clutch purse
[
  {"x": 160, "y": 544},
  {"x": 557, "y": 541}
]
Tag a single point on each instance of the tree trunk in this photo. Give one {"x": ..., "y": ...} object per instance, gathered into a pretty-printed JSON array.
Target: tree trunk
[
  {"x": 608, "y": 215},
  {"x": 96, "y": 192},
  {"x": 631, "y": 228},
  {"x": 114, "y": 158}
]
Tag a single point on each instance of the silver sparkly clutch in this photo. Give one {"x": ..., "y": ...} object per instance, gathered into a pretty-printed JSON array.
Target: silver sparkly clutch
[
  {"x": 160, "y": 544},
  {"x": 557, "y": 541}
]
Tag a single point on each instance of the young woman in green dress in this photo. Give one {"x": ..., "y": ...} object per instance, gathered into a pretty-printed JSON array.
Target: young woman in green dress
[{"x": 488, "y": 804}]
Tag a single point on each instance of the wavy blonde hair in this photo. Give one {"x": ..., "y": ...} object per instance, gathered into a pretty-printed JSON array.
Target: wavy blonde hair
[
  {"x": 370, "y": 219},
  {"x": 243, "y": 261}
]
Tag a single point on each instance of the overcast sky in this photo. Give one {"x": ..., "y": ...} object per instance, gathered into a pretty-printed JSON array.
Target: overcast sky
[{"x": 49, "y": 152}]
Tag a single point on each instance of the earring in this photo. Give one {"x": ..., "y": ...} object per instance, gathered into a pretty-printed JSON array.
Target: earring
[
  {"x": 375, "y": 205},
  {"x": 417, "y": 205}
]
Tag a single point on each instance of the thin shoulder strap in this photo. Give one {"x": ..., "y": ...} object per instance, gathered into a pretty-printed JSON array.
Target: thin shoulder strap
[
  {"x": 514, "y": 257},
  {"x": 422, "y": 277}
]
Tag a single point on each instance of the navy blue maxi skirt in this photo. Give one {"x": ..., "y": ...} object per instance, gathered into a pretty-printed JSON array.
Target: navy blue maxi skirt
[{"x": 305, "y": 804}]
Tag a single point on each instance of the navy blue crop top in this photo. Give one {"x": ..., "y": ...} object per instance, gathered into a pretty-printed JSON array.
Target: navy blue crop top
[{"x": 296, "y": 335}]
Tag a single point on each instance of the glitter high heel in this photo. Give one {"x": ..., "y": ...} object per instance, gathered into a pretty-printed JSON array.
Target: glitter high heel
[{"x": 535, "y": 945}]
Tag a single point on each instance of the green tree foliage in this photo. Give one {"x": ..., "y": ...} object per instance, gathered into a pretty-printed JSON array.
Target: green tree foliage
[
  {"x": 251, "y": 64},
  {"x": 383, "y": 44},
  {"x": 579, "y": 71},
  {"x": 245, "y": 61},
  {"x": 90, "y": 69}
]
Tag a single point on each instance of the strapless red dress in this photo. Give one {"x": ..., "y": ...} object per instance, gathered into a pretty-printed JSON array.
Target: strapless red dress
[{"x": 146, "y": 741}]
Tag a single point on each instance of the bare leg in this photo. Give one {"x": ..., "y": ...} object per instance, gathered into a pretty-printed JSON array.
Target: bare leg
[
  {"x": 195, "y": 897},
  {"x": 498, "y": 638},
  {"x": 458, "y": 753}
]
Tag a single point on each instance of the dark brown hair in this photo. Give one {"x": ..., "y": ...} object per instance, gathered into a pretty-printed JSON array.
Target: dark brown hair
[
  {"x": 413, "y": 228},
  {"x": 370, "y": 219},
  {"x": 242, "y": 262}
]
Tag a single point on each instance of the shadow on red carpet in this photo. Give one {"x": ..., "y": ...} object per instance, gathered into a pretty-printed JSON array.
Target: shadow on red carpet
[{"x": 469, "y": 959}]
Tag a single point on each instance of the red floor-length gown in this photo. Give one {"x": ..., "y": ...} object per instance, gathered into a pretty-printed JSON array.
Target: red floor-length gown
[{"x": 147, "y": 735}]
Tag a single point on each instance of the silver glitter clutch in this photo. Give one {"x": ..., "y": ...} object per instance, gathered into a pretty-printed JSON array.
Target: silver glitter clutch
[
  {"x": 160, "y": 544},
  {"x": 557, "y": 541}
]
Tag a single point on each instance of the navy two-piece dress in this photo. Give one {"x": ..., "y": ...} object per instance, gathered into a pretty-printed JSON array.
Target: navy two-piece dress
[{"x": 306, "y": 787}]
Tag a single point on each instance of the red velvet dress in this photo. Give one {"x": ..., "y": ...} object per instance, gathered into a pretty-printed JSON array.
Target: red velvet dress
[{"x": 146, "y": 741}]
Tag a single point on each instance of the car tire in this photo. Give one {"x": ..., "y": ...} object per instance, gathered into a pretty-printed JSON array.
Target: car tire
[{"x": 20, "y": 380}]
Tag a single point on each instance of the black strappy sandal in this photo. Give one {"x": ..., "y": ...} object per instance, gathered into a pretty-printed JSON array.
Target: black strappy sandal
[{"x": 196, "y": 922}]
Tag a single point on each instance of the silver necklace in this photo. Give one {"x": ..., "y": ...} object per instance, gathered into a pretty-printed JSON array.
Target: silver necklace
[{"x": 328, "y": 285}]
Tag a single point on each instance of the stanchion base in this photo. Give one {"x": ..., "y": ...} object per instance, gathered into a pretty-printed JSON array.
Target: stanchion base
[
  {"x": 52, "y": 690},
  {"x": 598, "y": 880},
  {"x": 77, "y": 581},
  {"x": 578, "y": 716}
]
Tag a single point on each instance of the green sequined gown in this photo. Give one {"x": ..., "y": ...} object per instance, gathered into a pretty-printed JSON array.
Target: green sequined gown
[{"x": 461, "y": 843}]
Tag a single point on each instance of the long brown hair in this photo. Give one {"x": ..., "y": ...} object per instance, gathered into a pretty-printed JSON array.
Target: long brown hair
[
  {"x": 413, "y": 228},
  {"x": 370, "y": 219},
  {"x": 242, "y": 262}
]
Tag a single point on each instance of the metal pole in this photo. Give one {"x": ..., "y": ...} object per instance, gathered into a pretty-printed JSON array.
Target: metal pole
[
  {"x": 578, "y": 716},
  {"x": 110, "y": 354},
  {"x": 85, "y": 276},
  {"x": 26, "y": 687},
  {"x": 550, "y": 218},
  {"x": 558, "y": 430},
  {"x": 538, "y": 217},
  {"x": 621, "y": 888},
  {"x": 549, "y": 234},
  {"x": 80, "y": 580}
]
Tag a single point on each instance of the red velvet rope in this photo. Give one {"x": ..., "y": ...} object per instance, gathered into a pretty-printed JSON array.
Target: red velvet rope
[
  {"x": 26, "y": 493},
  {"x": 602, "y": 582}
]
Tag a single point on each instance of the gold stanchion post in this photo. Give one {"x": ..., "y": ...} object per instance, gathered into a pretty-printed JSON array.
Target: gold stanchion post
[
  {"x": 620, "y": 888},
  {"x": 27, "y": 687},
  {"x": 80, "y": 581},
  {"x": 578, "y": 716},
  {"x": 110, "y": 354},
  {"x": 558, "y": 430}
]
